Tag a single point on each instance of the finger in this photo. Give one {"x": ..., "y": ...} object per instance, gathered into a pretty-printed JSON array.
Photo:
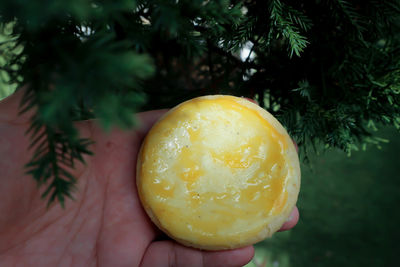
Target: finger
[
  {"x": 296, "y": 146},
  {"x": 169, "y": 253},
  {"x": 291, "y": 221},
  {"x": 251, "y": 100},
  {"x": 148, "y": 118}
]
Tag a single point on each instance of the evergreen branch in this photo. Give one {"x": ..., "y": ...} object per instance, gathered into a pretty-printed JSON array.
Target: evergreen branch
[
  {"x": 297, "y": 42},
  {"x": 283, "y": 23},
  {"x": 52, "y": 145},
  {"x": 353, "y": 16},
  {"x": 304, "y": 89},
  {"x": 58, "y": 100},
  {"x": 299, "y": 18},
  {"x": 387, "y": 12}
]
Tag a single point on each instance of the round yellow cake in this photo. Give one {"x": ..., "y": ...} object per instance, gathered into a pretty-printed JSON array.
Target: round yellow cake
[{"x": 218, "y": 172}]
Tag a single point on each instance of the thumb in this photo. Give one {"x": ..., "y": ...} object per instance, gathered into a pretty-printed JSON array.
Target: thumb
[{"x": 169, "y": 253}]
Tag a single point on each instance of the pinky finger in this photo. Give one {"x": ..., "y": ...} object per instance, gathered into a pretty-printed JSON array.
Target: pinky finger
[
  {"x": 169, "y": 253},
  {"x": 291, "y": 221}
]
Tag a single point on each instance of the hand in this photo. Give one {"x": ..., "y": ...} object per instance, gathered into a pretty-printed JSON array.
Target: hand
[{"x": 105, "y": 225}]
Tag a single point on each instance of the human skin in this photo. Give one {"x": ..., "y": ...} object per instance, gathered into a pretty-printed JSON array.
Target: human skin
[{"x": 105, "y": 225}]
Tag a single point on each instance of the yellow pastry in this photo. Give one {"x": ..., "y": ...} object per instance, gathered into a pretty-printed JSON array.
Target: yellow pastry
[{"x": 218, "y": 172}]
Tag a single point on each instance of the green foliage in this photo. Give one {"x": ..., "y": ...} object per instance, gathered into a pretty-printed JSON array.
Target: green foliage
[
  {"x": 54, "y": 152},
  {"x": 329, "y": 70},
  {"x": 283, "y": 20},
  {"x": 7, "y": 50}
]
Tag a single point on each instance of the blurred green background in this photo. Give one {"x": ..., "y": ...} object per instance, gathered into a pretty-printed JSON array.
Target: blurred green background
[{"x": 348, "y": 212}]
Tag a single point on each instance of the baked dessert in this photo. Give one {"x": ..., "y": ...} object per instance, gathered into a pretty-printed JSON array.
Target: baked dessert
[{"x": 218, "y": 172}]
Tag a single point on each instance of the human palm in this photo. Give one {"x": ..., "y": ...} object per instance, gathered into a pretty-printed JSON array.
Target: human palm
[{"x": 105, "y": 225}]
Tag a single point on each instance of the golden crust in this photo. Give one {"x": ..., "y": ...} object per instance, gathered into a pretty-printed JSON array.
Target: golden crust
[{"x": 161, "y": 204}]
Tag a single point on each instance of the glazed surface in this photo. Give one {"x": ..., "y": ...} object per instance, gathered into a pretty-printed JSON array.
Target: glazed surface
[{"x": 214, "y": 172}]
